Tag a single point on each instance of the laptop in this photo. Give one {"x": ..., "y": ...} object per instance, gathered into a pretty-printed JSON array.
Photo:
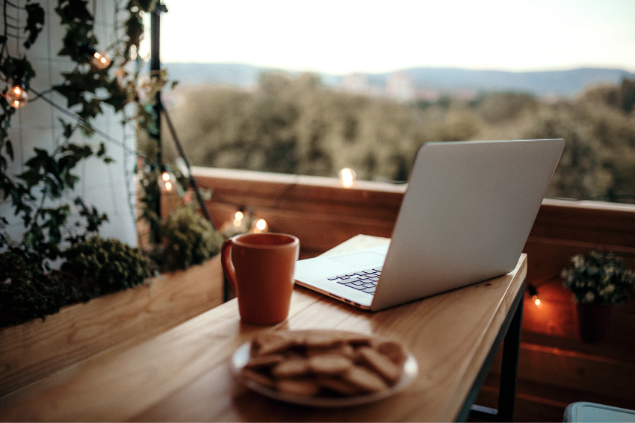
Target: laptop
[{"x": 465, "y": 218}]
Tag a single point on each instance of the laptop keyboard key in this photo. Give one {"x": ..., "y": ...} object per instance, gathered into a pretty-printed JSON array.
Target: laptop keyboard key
[{"x": 364, "y": 281}]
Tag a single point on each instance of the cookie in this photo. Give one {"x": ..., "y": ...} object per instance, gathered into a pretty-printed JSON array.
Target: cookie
[
  {"x": 338, "y": 386},
  {"x": 258, "y": 377},
  {"x": 322, "y": 340},
  {"x": 307, "y": 387},
  {"x": 345, "y": 350},
  {"x": 364, "y": 379},
  {"x": 379, "y": 363},
  {"x": 272, "y": 343},
  {"x": 291, "y": 368},
  {"x": 329, "y": 364},
  {"x": 393, "y": 351},
  {"x": 260, "y": 361}
]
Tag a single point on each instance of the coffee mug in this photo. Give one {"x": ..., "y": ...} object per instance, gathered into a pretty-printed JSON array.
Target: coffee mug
[{"x": 260, "y": 267}]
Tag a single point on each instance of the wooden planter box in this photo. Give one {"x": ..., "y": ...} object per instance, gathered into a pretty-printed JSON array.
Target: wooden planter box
[{"x": 37, "y": 348}]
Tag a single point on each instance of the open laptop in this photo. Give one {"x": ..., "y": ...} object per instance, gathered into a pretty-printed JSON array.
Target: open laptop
[{"x": 465, "y": 218}]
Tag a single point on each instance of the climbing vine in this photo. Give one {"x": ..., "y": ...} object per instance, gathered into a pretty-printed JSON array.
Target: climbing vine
[{"x": 38, "y": 195}]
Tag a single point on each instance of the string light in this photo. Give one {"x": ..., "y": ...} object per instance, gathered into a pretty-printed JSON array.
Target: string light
[
  {"x": 99, "y": 59},
  {"x": 17, "y": 95},
  {"x": 167, "y": 181},
  {"x": 347, "y": 177},
  {"x": 533, "y": 293},
  {"x": 259, "y": 226},
  {"x": 238, "y": 219}
]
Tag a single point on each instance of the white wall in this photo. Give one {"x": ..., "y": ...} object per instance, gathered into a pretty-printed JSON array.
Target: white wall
[{"x": 37, "y": 125}]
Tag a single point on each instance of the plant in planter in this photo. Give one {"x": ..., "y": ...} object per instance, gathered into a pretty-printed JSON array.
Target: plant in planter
[
  {"x": 102, "y": 266},
  {"x": 187, "y": 239},
  {"x": 28, "y": 289},
  {"x": 598, "y": 282}
]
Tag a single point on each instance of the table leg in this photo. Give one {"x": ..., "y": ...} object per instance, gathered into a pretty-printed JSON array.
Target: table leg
[
  {"x": 509, "y": 368},
  {"x": 510, "y": 334}
]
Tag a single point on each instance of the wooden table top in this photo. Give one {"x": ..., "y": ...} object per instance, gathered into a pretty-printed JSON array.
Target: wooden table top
[{"x": 183, "y": 374}]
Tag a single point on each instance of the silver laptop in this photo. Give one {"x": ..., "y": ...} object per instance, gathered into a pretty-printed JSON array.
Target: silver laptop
[{"x": 465, "y": 218}]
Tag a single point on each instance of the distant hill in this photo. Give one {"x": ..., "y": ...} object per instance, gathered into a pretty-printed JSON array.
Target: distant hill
[{"x": 559, "y": 83}]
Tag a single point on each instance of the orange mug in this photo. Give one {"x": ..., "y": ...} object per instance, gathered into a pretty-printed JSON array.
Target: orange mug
[{"x": 260, "y": 267}]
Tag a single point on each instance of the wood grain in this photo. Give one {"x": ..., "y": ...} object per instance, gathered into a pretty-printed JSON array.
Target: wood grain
[
  {"x": 37, "y": 349},
  {"x": 181, "y": 375}
]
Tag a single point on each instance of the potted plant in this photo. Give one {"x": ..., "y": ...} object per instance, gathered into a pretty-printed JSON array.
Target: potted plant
[{"x": 599, "y": 282}]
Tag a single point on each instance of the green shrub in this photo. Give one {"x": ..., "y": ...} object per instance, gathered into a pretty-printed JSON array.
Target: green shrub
[
  {"x": 102, "y": 266},
  {"x": 188, "y": 239},
  {"x": 598, "y": 278},
  {"x": 28, "y": 289}
]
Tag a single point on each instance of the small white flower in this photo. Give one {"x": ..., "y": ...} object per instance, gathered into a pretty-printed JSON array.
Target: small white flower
[
  {"x": 588, "y": 298},
  {"x": 7, "y": 281},
  {"x": 577, "y": 260}
]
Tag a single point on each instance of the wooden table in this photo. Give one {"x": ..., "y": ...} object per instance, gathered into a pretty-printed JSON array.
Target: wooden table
[{"x": 183, "y": 374}]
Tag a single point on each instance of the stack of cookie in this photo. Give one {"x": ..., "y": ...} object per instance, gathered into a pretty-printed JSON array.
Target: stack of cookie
[{"x": 324, "y": 363}]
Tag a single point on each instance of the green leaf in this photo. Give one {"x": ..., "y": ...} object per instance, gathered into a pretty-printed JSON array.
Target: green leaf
[
  {"x": 74, "y": 11},
  {"x": 102, "y": 150},
  {"x": 68, "y": 128},
  {"x": 9, "y": 148},
  {"x": 118, "y": 95},
  {"x": 39, "y": 161},
  {"x": 134, "y": 30},
  {"x": 72, "y": 94},
  {"x": 34, "y": 22},
  {"x": 20, "y": 68},
  {"x": 108, "y": 160},
  {"x": 31, "y": 177},
  {"x": 90, "y": 109}
]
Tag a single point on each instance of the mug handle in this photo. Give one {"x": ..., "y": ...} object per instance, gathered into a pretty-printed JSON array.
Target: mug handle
[{"x": 226, "y": 262}]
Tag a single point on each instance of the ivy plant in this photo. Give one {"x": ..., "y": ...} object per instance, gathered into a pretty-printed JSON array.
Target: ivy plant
[{"x": 28, "y": 286}]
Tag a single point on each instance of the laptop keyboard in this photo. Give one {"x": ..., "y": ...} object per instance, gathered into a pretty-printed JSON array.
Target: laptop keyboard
[{"x": 365, "y": 280}]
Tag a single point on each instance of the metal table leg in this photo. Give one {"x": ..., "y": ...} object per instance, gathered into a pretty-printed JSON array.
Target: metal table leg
[{"x": 510, "y": 333}]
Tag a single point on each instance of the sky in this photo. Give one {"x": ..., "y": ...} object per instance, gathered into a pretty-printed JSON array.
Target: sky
[{"x": 347, "y": 36}]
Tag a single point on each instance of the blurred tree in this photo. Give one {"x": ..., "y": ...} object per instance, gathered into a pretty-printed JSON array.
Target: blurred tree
[{"x": 295, "y": 125}]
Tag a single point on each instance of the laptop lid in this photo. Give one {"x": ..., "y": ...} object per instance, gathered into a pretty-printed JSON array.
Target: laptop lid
[{"x": 466, "y": 215}]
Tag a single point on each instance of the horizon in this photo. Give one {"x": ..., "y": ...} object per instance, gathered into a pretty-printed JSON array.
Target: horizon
[
  {"x": 401, "y": 69},
  {"x": 347, "y": 37}
]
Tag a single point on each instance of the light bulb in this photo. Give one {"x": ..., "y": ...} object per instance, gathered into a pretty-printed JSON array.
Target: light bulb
[
  {"x": 347, "y": 177},
  {"x": 238, "y": 219},
  {"x": 100, "y": 59},
  {"x": 17, "y": 95},
  {"x": 259, "y": 226},
  {"x": 167, "y": 181}
]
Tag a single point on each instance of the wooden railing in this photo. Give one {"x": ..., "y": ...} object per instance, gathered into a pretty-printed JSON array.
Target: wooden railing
[{"x": 555, "y": 368}]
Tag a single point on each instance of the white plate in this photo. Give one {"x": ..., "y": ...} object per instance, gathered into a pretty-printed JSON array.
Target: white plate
[{"x": 241, "y": 357}]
